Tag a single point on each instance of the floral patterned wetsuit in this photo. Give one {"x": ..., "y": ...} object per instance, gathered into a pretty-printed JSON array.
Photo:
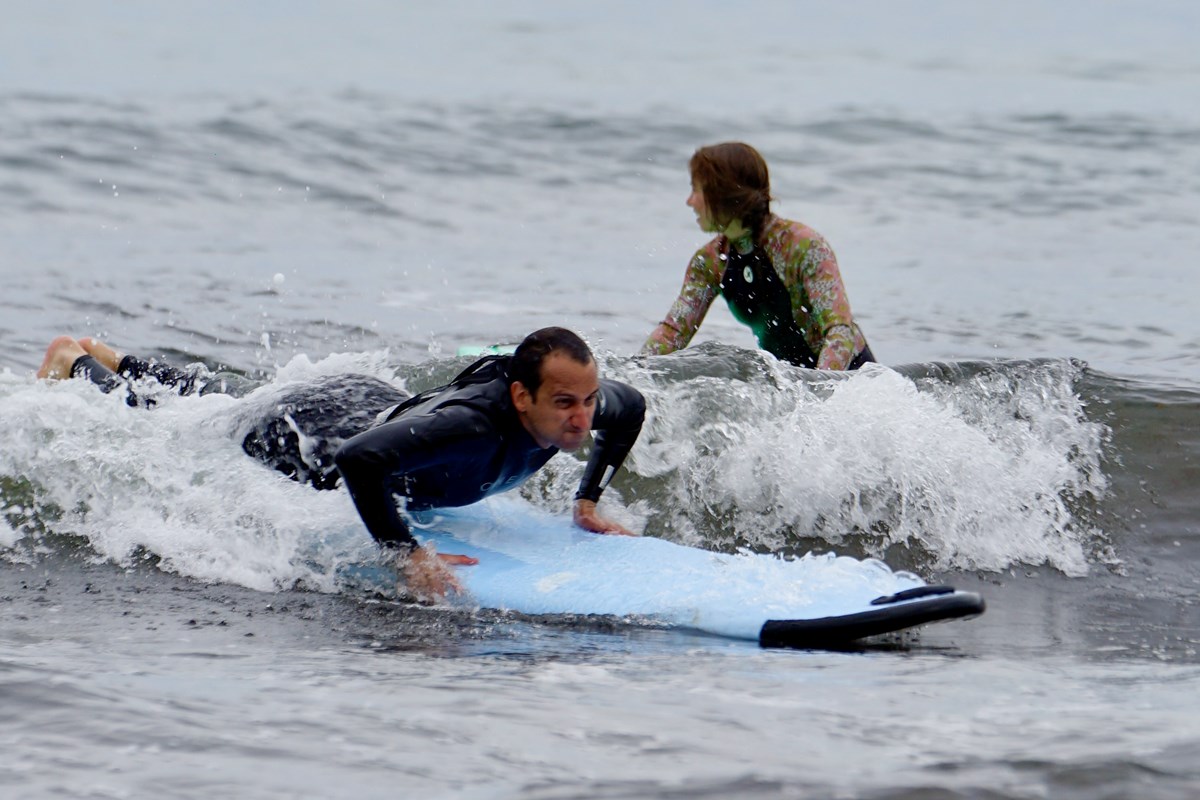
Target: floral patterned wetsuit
[{"x": 805, "y": 263}]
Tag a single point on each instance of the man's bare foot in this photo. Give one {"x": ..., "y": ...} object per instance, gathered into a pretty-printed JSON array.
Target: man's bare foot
[
  {"x": 102, "y": 352},
  {"x": 60, "y": 357}
]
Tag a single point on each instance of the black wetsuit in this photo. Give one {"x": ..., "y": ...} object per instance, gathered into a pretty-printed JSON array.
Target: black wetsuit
[
  {"x": 461, "y": 443},
  {"x": 295, "y": 430},
  {"x": 450, "y": 446}
]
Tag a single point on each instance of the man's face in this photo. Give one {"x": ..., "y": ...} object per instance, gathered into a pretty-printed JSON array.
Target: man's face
[{"x": 560, "y": 415}]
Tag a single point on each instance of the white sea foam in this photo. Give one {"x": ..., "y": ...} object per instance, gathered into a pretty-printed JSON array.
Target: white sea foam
[
  {"x": 171, "y": 483},
  {"x": 981, "y": 474}
]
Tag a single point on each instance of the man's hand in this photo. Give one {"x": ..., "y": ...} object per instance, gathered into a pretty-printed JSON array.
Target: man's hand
[
  {"x": 587, "y": 518},
  {"x": 428, "y": 577}
]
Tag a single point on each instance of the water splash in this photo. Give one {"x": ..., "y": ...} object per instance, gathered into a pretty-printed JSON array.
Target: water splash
[
  {"x": 976, "y": 467},
  {"x": 980, "y": 466},
  {"x": 168, "y": 484}
]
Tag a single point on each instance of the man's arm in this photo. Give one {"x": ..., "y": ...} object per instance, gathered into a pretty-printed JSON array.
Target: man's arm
[
  {"x": 370, "y": 463},
  {"x": 617, "y": 423},
  {"x": 373, "y": 462}
]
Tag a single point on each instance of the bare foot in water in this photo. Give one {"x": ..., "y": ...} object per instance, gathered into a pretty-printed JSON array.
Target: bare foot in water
[
  {"x": 102, "y": 352},
  {"x": 60, "y": 357}
]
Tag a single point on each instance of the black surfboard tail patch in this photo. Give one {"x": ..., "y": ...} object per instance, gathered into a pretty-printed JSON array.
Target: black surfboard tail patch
[{"x": 897, "y": 612}]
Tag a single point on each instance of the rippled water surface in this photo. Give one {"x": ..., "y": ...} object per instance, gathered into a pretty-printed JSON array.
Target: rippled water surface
[{"x": 292, "y": 190}]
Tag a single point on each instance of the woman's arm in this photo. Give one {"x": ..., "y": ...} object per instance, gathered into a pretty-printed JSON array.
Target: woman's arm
[{"x": 690, "y": 307}]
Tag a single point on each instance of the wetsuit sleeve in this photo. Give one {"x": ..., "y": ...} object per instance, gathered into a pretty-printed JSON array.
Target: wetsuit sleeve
[
  {"x": 690, "y": 307},
  {"x": 617, "y": 423},
  {"x": 374, "y": 464},
  {"x": 811, "y": 271}
]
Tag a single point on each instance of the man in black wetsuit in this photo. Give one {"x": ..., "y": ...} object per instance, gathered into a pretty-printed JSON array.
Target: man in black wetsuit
[{"x": 485, "y": 432}]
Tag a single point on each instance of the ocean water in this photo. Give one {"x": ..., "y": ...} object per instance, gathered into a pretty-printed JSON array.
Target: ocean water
[{"x": 294, "y": 190}]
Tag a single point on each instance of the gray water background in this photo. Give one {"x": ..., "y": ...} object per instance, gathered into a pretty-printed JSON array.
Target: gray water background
[{"x": 265, "y": 186}]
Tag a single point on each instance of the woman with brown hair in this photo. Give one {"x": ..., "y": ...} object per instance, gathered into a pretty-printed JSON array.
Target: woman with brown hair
[{"x": 779, "y": 277}]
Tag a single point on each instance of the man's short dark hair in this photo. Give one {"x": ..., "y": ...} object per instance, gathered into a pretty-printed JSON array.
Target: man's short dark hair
[{"x": 526, "y": 364}]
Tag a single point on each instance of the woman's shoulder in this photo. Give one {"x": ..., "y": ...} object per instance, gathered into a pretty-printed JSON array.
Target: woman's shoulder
[
  {"x": 780, "y": 229},
  {"x": 795, "y": 246}
]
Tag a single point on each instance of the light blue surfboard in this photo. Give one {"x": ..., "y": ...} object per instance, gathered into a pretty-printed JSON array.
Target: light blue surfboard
[{"x": 536, "y": 563}]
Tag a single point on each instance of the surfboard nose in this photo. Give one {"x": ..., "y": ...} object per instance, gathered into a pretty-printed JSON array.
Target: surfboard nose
[{"x": 897, "y": 613}]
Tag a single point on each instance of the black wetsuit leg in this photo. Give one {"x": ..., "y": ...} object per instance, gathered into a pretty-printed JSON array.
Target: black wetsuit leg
[
  {"x": 90, "y": 369},
  {"x": 298, "y": 430},
  {"x": 183, "y": 381},
  {"x": 295, "y": 431},
  {"x": 132, "y": 368}
]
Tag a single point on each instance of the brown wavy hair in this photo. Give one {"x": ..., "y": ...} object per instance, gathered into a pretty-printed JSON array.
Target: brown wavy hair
[{"x": 735, "y": 182}]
